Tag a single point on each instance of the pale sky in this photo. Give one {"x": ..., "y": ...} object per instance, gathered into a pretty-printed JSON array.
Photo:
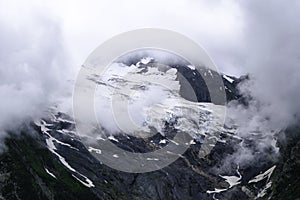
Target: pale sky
[
  {"x": 216, "y": 25},
  {"x": 43, "y": 43}
]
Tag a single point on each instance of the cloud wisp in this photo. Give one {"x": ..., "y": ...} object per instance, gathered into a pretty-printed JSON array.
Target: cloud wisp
[
  {"x": 271, "y": 57},
  {"x": 33, "y": 66}
]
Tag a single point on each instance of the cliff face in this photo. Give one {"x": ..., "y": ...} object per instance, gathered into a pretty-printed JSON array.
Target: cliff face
[
  {"x": 24, "y": 174},
  {"x": 30, "y": 171},
  {"x": 47, "y": 160},
  {"x": 286, "y": 178}
]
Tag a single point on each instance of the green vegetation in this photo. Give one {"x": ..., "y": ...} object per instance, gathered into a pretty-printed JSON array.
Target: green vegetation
[{"x": 25, "y": 162}]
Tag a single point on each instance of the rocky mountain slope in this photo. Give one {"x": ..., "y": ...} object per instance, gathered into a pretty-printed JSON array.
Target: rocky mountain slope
[{"x": 45, "y": 159}]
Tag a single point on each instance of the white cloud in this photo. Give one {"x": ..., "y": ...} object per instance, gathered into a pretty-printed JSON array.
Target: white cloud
[
  {"x": 33, "y": 63},
  {"x": 43, "y": 41}
]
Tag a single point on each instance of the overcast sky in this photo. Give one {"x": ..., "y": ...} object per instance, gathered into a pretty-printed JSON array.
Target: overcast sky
[
  {"x": 86, "y": 24},
  {"x": 42, "y": 42}
]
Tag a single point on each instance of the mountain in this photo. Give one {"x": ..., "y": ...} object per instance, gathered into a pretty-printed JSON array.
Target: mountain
[
  {"x": 286, "y": 180},
  {"x": 46, "y": 159}
]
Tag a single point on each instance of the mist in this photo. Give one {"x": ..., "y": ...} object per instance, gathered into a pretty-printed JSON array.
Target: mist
[
  {"x": 43, "y": 43},
  {"x": 32, "y": 65},
  {"x": 271, "y": 57}
]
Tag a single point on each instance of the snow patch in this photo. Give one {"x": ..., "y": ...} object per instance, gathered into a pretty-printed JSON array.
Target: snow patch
[
  {"x": 210, "y": 74},
  {"x": 264, "y": 191},
  {"x": 228, "y": 78},
  {"x": 51, "y": 174},
  {"x": 163, "y": 141},
  {"x": 88, "y": 182},
  {"x": 97, "y": 151},
  {"x": 216, "y": 191},
  {"x": 156, "y": 159},
  {"x": 51, "y": 146},
  {"x": 233, "y": 180},
  {"x": 262, "y": 176},
  {"x": 191, "y": 67},
  {"x": 146, "y": 60},
  {"x": 113, "y": 138}
]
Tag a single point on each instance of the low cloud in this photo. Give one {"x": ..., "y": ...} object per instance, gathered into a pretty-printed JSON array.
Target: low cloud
[
  {"x": 33, "y": 65},
  {"x": 271, "y": 57},
  {"x": 253, "y": 37}
]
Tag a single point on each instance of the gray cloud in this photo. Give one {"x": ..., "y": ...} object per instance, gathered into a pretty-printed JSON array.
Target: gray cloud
[
  {"x": 32, "y": 66},
  {"x": 272, "y": 58},
  {"x": 255, "y": 37},
  {"x": 270, "y": 54}
]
